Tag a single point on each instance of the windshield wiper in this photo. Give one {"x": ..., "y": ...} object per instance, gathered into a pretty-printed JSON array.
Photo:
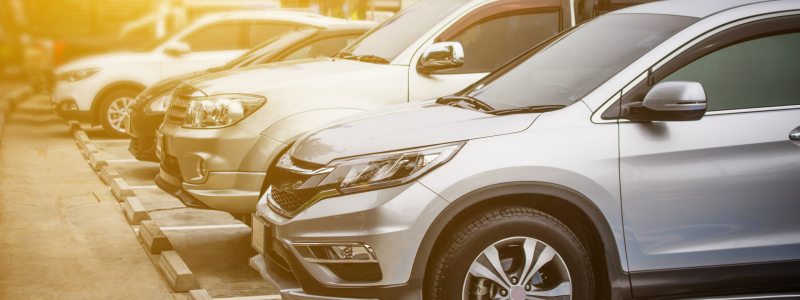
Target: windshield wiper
[
  {"x": 471, "y": 100},
  {"x": 365, "y": 58},
  {"x": 526, "y": 109}
]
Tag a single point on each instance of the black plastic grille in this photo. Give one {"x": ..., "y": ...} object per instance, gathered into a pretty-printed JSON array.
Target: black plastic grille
[
  {"x": 134, "y": 144},
  {"x": 286, "y": 200},
  {"x": 178, "y": 106},
  {"x": 357, "y": 272},
  {"x": 289, "y": 192}
]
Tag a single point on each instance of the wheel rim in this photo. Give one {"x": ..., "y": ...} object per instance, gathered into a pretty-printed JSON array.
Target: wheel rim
[
  {"x": 518, "y": 268},
  {"x": 117, "y": 112}
]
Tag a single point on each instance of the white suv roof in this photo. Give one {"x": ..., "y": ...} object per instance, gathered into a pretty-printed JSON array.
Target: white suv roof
[{"x": 280, "y": 15}]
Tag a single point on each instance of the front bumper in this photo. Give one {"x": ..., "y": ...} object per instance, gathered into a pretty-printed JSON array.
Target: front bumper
[
  {"x": 142, "y": 130},
  {"x": 234, "y": 192},
  {"x": 391, "y": 221}
]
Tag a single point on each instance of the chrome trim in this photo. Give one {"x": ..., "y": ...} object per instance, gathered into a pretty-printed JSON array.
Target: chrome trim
[
  {"x": 317, "y": 260},
  {"x": 749, "y": 110},
  {"x": 595, "y": 118}
]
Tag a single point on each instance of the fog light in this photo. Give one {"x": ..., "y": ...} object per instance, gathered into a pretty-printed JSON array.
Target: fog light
[
  {"x": 336, "y": 252},
  {"x": 201, "y": 168},
  {"x": 69, "y": 106}
]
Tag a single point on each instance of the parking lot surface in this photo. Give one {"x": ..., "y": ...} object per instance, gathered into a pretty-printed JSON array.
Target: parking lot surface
[{"x": 64, "y": 235}]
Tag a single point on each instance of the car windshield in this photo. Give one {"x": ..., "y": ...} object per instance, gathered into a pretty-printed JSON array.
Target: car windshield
[
  {"x": 272, "y": 45},
  {"x": 392, "y": 37},
  {"x": 566, "y": 70},
  {"x": 154, "y": 44}
]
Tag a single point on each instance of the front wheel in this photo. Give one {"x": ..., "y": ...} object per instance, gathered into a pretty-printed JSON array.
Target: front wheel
[
  {"x": 113, "y": 110},
  {"x": 512, "y": 253}
]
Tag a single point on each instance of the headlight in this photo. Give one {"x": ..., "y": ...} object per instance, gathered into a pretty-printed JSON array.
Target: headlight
[
  {"x": 159, "y": 103},
  {"x": 357, "y": 174},
  {"x": 77, "y": 75},
  {"x": 221, "y": 110}
]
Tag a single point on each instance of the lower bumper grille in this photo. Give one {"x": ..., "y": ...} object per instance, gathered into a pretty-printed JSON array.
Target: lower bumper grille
[{"x": 357, "y": 272}]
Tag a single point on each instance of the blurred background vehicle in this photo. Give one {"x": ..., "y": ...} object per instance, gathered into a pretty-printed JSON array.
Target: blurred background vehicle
[
  {"x": 101, "y": 88},
  {"x": 147, "y": 113},
  {"x": 223, "y": 133}
]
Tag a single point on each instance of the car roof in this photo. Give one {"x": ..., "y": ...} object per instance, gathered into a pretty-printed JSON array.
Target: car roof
[
  {"x": 687, "y": 8},
  {"x": 312, "y": 19},
  {"x": 352, "y": 25}
]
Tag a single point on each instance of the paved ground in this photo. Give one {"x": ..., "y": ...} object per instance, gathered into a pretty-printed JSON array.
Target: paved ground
[{"x": 63, "y": 235}]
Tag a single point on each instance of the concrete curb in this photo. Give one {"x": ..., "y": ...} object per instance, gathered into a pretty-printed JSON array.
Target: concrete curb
[
  {"x": 88, "y": 150},
  {"x": 108, "y": 174},
  {"x": 96, "y": 161},
  {"x": 134, "y": 211},
  {"x": 74, "y": 126},
  {"x": 81, "y": 138},
  {"x": 199, "y": 295},
  {"x": 121, "y": 189},
  {"x": 178, "y": 275},
  {"x": 154, "y": 240},
  {"x": 9, "y": 102}
]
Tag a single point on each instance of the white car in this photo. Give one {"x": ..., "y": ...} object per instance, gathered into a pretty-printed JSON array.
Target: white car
[{"x": 101, "y": 88}]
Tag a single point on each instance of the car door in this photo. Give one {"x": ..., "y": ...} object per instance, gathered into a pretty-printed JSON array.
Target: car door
[
  {"x": 713, "y": 204},
  {"x": 210, "y": 46},
  {"x": 491, "y": 36}
]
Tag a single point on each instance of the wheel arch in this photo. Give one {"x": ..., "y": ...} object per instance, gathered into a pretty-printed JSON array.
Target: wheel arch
[
  {"x": 125, "y": 84},
  {"x": 544, "y": 196}
]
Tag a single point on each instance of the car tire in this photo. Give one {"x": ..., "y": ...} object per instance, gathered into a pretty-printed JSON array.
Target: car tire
[
  {"x": 506, "y": 234},
  {"x": 112, "y": 110}
]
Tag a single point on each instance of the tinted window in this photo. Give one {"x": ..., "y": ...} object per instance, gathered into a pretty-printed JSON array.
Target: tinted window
[
  {"x": 394, "y": 35},
  {"x": 567, "y": 70},
  {"x": 758, "y": 73},
  {"x": 489, "y": 45},
  {"x": 260, "y": 33},
  {"x": 322, "y": 48},
  {"x": 214, "y": 38}
]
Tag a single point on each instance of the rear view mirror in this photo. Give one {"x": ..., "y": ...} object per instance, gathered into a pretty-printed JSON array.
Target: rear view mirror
[
  {"x": 177, "y": 49},
  {"x": 441, "y": 56},
  {"x": 670, "y": 101}
]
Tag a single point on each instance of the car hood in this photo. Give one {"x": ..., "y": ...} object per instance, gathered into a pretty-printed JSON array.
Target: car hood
[
  {"x": 260, "y": 79},
  {"x": 402, "y": 127},
  {"x": 165, "y": 86},
  {"x": 100, "y": 61}
]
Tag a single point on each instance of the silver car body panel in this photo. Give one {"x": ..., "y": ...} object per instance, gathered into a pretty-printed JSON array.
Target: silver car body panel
[{"x": 392, "y": 218}]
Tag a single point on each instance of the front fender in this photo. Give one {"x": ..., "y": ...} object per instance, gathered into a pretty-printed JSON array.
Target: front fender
[{"x": 285, "y": 132}]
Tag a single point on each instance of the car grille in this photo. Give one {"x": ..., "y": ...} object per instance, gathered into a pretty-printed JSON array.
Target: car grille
[
  {"x": 288, "y": 194},
  {"x": 357, "y": 272},
  {"x": 176, "y": 111}
]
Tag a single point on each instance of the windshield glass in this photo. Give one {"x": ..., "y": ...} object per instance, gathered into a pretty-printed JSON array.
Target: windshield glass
[
  {"x": 154, "y": 44},
  {"x": 272, "y": 45},
  {"x": 394, "y": 35},
  {"x": 569, "y": 69}
]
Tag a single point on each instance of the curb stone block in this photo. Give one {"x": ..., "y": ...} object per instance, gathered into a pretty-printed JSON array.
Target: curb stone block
[
  {"x": 108, "y": 174},
  {"x": 121, "y": 189},
  {"x": 134, "y": 211},
  {"x": 199, "y": 295},
  {"x": 88, "y": 150},
  {"x": 74, "y": 126},
  {"x": 178, "y": 275},
  {"x": 97, "y": 162},
  {"x": 82, "y": 139},
  {"x": 154, "y": 240}
]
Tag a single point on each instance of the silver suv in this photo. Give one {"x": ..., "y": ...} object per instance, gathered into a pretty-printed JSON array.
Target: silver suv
[{"x": 649, "y": 153}]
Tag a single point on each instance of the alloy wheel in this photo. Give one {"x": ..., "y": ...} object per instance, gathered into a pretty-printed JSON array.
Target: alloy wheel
[
  {"x": 117, "y": 111},
  {"x": 518, "y": 268}
]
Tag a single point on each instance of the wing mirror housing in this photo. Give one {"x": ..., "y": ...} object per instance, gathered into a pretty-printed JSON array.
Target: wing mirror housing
[
  {"x": 669, "y": 101},
  {"x": 177, "y": 49},
  {"x": 441, "y": 56}
]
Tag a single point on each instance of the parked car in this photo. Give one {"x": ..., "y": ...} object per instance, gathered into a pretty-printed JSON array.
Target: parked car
[
  {"x": 147, "y": 112},
  {"x": 101, "y": 88},
  {"x": 650, "y": 153},
  {"x": 220, "y": 161}
]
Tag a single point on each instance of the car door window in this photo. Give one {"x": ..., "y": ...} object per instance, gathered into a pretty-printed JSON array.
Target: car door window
[
  {"x": 490, "y": 44},
  {"x": 762, "y": 72},
  {"x": 321, "y": 48},
  {"x": 214, "y": 38},
  {"x": 261, "y": 32}
]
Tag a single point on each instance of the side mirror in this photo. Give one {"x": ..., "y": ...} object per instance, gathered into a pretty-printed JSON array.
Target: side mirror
[
  {"x": 177, "y": 49},
  {"x": 441, "y": 56},
  {"x": 670, "y": 101}
]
